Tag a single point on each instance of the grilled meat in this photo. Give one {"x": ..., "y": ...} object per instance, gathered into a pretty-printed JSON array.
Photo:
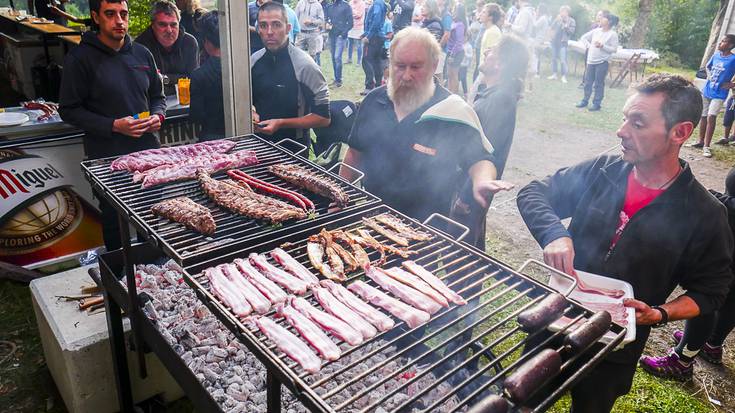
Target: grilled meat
[
  {"x": 357, "y": 251},
  {"x": 187, "y": 212},
  {"x": 412, "y": 316},
  {"x": 239, "y": 200},
  {"x": 388, "y": 233},
  {"x": 187, "y": 169},
  {"x": 315, "y": 251},
  {"x": 403, "y": 253},
  {"x": 403, "y": 228},
  {"x": 311, "y": 332},
  {"x": 375, "y": 317},
  {"x": 291, "y": 345},
  {"x": 434, "y": 281},
  {"x": 151, "y": 158},
  {"x": 316, "y": 183}
]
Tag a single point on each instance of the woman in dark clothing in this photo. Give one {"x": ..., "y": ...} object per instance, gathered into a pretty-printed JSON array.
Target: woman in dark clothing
[
  {"x": 432, "y": 19},
  {"x": 207, "y": 107}
]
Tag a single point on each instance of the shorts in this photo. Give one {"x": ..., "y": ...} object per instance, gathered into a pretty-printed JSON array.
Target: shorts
[
  {"x": 311, "y": 42},
  {"x": 711, "y": 107},
  {"x": 729, "y": 113},
  {"x": 455, "y": 60}
]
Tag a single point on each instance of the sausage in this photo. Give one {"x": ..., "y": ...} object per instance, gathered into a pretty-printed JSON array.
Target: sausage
[
  {"x": 543, "y": 313},
  {"x": 307, "y": 202},
  {"x": 490, "y": 404},
  {"x": 531, "y": 375},
  {"x": 267, "y": 188},
  {"x": 589, "y": 332}
]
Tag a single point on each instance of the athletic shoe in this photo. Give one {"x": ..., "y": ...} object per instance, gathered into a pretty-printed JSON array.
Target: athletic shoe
[
  {"x": 563, "y": 79},
  {"x": 696, "y": 145},
  {"x": 708, "y": 353},
  {"x": 706, "y": 152},
  {"x": 552, "y": 77},
  {"x": 582, "y": 104},
  {"x": 667, "y": 367},
  {"x": 595, "y": 108},
  {"x": 724, "y": 141}
]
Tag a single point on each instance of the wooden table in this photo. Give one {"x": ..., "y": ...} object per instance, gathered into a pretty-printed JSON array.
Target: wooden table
[{"x": 45, "y": 29}]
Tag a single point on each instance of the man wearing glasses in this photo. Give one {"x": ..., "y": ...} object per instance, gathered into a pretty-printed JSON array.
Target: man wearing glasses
[{"x": 175, "y": 51}]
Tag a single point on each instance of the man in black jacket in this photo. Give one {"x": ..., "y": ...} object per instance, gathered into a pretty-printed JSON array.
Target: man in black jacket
[
  {"x": 109, "y": 86},
  {"x": 176, "y": 52},
  {"x": 339, "y": 19},
  {"x": 402, "y": 14},
  {"x": 642, "y": 218},
  {"x": 207, "y": 104}
]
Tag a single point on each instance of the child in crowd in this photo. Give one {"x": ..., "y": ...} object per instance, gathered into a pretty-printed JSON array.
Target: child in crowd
[
  {"x": 388, "y": 35},
  {"x": 704, "y": 335}
]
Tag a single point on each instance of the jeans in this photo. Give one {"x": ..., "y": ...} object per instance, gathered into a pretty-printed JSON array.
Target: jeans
[
  {"x": 350, "y": 43},
  {"x": 336, "y": 47},
  {"x": 559, "y": 58},
  {"x": 595, "y": 76},
  {"x": 372, "y": 62}
]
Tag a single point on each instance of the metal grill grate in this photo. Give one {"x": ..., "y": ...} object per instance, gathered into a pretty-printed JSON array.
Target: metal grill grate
[
  {"x": 402, "y": 369},
  {"x": 187, "y": 246}
]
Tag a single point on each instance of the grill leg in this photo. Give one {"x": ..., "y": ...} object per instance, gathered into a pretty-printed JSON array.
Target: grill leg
[
  {"x": 274, "y": 393},
  {"x": 133, "y": 294},
  {"x": 119, "y": 356}
]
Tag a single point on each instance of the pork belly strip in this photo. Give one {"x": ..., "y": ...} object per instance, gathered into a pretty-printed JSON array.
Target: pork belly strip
[
  {"x": 259, "y": 303},
  {"x": 335, "y": 307},
  {"x": 371, "y": 314},
  {"x": 188, "y": 213},
  {"x": 411, "y": 280},
  {"x": 226, "y": 291},
  {"x": 330, "y": 323},
  {"x": 405, "y": 293},
  {"x": 294, "y": 267},
  {"x": 310, "y": 332},
  {"x": 434, "y": 281},
  {"x": 151, "y": 158},
  {"x": 411, "y": 316},
  {"x": 277, "y": 275},
  {"x": 289, "y": 344},
  {"x": 273, "y": 292}
]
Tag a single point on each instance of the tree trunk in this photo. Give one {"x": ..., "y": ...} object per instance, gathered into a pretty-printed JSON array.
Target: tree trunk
[
  {"x": 640, "y": 28},
  {"x": 714, "y": 33}
]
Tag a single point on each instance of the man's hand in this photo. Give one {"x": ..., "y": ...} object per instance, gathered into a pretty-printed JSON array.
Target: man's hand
[
  {"x": 269, "y": 127},
  {"x": 727, "y": 85},
  {"x": 559, "y": 254},
  {"x": 482, "y": 189},
  {"x": 644, "y": 314},
  {"x": 154, "y": 123},
  {"x": 130, "y": 126},
  {"x": 254, "y": 114},
  {"x": 598, "y": 45}
]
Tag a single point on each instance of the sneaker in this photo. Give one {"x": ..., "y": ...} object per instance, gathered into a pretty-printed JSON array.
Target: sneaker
[
  {"x": 582, "y": 104},
  {"x": 667, "y": 367},
  {"x": 709, "y": 353},
  {"x": 337, "y": 84},
  {"x": 696, "y": 145},
  {"x": 563, "y": 79},
  {"x": 595, "y": 108},
  {"x": 723, "y": 141},
  {"x": 706, "y": 152},
  {"x": 552, "y": 77}
]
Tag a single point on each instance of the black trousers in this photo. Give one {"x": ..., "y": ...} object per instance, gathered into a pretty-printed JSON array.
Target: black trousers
[
  {"x": 372, "y": 62},
  {"x": 110, "y": 225},
  {"x": 710, "y": 328},
  {"x": 594, "y": 78}
]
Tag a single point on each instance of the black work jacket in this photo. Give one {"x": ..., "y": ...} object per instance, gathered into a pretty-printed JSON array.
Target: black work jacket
[{"x": 681, "y": 238}]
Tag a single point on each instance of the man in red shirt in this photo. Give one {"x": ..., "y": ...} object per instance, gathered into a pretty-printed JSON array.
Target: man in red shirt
[{"x": 641, "y": 217}]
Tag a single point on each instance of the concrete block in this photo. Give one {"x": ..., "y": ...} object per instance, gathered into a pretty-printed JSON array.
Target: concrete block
[{"x": 77, "y": 349}]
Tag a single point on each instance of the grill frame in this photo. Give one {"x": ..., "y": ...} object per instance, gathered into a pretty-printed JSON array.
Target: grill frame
[
  {"x": 186, "y": 246},
  {"x": 289, "y": 373}
]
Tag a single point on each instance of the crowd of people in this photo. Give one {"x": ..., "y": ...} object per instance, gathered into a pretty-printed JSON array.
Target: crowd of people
[{"x": 425, "y": 147}]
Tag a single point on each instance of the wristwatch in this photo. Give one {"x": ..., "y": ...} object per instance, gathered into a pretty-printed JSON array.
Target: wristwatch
[{"x": 664, "y": 317}]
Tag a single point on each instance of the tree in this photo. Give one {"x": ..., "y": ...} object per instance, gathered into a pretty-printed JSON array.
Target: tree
[
  {"x": 714, "y": 33},
  {"x": 640, "y": 28}
]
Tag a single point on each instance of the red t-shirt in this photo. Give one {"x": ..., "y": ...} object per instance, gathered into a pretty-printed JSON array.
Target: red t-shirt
[{"x": 636, "y": 197}]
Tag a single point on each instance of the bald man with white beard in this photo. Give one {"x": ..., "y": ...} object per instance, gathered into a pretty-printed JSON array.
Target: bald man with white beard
[{"x": 415, "y": 141}]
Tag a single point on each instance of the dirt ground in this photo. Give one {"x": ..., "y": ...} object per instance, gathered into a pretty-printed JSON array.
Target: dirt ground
[{"x": 536, "y": 154}]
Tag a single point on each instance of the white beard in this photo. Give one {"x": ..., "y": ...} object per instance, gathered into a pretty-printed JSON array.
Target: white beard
[{"x": 407, "y": 99}]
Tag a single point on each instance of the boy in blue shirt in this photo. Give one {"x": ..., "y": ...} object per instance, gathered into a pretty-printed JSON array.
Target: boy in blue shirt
[{"x": 720, "y": 71}]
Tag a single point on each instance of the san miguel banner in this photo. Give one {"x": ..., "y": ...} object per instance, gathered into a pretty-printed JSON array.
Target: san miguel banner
[{"x": 42, "y": 217}]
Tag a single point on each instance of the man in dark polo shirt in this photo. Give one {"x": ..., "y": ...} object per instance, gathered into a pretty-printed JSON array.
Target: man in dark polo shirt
[
  {"x": 108, "y": 81},
  {"x": 416, "y": 142},
  {"x": 290, "y": 93},
  {"x": 176, "y": 52}
]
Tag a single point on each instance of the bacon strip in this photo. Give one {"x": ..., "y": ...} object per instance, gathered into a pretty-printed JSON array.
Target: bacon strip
[
  {"x": 294, "y": 267},
  {"x": 288, "y": 343},
  {"x": 334, "y": 325},
  {"x": 311, "y": 332},
  {"x": 435, "y": 282},
  {"x": 226, "y": 291},
  {"x": 335, "y": 307},
  {"x": 407, "y": 294},
  {"x": 412, "y": 316},
  {"x": 388, "y": 233},
  {"x": 375, "y": 317},
  {"x": 403, "y": 228},
  {"x": 413, "y": 281},
  {"x": 259, "y": 303},
  {"x": 273, "y": 292},
  {"x": 279, "y": 276}
]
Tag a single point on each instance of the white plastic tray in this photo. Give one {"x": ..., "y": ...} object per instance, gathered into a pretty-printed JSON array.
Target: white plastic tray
[{"x": 562, "y": 284}]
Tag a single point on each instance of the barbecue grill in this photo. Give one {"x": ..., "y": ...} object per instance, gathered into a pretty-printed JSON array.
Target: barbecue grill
[
  {"x": 414, "y": 369},
  {"x": 187, "y": 246}
]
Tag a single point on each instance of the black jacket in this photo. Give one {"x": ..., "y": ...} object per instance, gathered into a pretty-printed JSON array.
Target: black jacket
[
  {"x": 403, "y": 18},
  {"x": 681, "y": 238},
  {"x": 340, "y": 17},
  {"x": 207, "y": 107},
  {"x": 176, "y": 63},
  {"x": 100, "y": 85}
]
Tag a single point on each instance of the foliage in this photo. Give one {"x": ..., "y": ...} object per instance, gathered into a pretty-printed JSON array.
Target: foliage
[{"x": 139, "y": 18}]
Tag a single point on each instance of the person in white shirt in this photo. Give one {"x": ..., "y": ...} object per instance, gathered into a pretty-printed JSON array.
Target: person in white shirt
[{"x": 601, "y": 43}]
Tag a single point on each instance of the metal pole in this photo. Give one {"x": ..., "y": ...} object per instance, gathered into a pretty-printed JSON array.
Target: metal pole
[{"x": 235, "y": 48}]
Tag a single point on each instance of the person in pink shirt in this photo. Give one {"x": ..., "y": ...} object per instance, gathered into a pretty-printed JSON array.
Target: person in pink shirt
[{"x": 353, "y": 36}]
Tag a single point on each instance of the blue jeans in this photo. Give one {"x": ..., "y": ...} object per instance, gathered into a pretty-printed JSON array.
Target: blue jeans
[
  {"x": 336, "y": 46},
  {"x": 350, "y": 43},
  {"x": 559, "y": 56},
  {"x": 594, "y": 77}
]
